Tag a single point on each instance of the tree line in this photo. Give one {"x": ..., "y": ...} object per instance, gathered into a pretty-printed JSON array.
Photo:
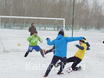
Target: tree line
[{"x": 87, "y": 14}]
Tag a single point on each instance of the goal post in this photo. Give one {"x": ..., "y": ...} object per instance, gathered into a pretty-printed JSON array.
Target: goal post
[
  {"x": 26, "y": 17},
  {"x": 15, "y": 40}
]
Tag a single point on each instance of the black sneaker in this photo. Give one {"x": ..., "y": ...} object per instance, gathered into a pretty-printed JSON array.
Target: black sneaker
[
  {"x": 79, "y": 68},
  {"x": 60, "y": 73},
  {"x": 44, "y": 76},
  {"x": 26, "y": 54}
]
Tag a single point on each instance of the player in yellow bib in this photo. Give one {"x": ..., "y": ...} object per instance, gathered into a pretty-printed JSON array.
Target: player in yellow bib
[
  {"x": 81, "y": 50},
  {"x": 79, "y": 55}
]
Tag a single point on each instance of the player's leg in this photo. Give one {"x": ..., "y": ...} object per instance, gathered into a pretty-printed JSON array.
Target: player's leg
[
  {"x": 37, "y": 48},
  {"x": 76, "y": 62},
  {"x": 71, "y": 59},
  {"x": 42, "y": 52},
  {"x": 62, "y": 65},
  {"x": 50, "y": 50},
  {"x": 53, "y": 62},
  {"x": 29, "y": 50}
]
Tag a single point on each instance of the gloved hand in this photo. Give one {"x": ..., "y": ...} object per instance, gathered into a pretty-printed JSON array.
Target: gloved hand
[
  {"x": 47, "y": 38},
  {"x": 77, "y": 45},
  {"x": 84, "y": 38}
]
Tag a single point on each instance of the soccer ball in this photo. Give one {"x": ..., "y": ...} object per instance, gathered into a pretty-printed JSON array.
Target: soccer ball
[{"x": 18, "y": 44}]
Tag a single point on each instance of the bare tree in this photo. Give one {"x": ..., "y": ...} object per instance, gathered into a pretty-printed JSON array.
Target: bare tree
[{"x": 86, "y": 15}]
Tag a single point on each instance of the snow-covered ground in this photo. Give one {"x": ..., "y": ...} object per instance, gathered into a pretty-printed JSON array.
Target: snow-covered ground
[{"x": 13, "y": 45}]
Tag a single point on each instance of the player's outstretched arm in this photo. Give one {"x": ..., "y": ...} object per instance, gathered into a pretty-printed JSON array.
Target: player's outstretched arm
[
  {"x": 80, "y": 47},
  {"x": 70, "y": 39},
  {"x": 49, "y": 42}
]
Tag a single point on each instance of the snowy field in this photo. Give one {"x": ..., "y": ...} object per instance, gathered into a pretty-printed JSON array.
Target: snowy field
[{"x": 13, "y": 45}]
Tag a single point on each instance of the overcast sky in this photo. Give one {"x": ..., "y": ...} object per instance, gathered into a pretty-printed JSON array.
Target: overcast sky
[{"x": 100, "y": 1}]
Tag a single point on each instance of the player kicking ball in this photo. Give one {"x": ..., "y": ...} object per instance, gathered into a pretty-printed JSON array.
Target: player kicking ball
[{"x": 60, "y": 53}]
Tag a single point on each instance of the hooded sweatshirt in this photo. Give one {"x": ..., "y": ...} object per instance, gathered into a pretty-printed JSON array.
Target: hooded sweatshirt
[{"x": 60, "y": 44}]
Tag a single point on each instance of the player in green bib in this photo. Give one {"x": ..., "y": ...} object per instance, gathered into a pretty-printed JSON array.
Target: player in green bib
[{"x": 33, "y": 44}]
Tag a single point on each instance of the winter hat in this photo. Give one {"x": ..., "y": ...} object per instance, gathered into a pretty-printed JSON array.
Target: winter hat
[
  {"x": 82, "y": 40},
  {"x": 32, "y": 24},
  {"x": 61, "y": 32}
]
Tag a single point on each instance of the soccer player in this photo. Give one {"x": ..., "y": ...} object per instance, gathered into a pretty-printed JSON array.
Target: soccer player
[
  {"x": 33, "y": 44},
  {"x": 79, "y": 55},
  {"x": 60, "y": 44}
]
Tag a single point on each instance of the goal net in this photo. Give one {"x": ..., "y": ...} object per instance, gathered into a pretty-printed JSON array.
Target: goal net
[{"x": 14, "y": 30}]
